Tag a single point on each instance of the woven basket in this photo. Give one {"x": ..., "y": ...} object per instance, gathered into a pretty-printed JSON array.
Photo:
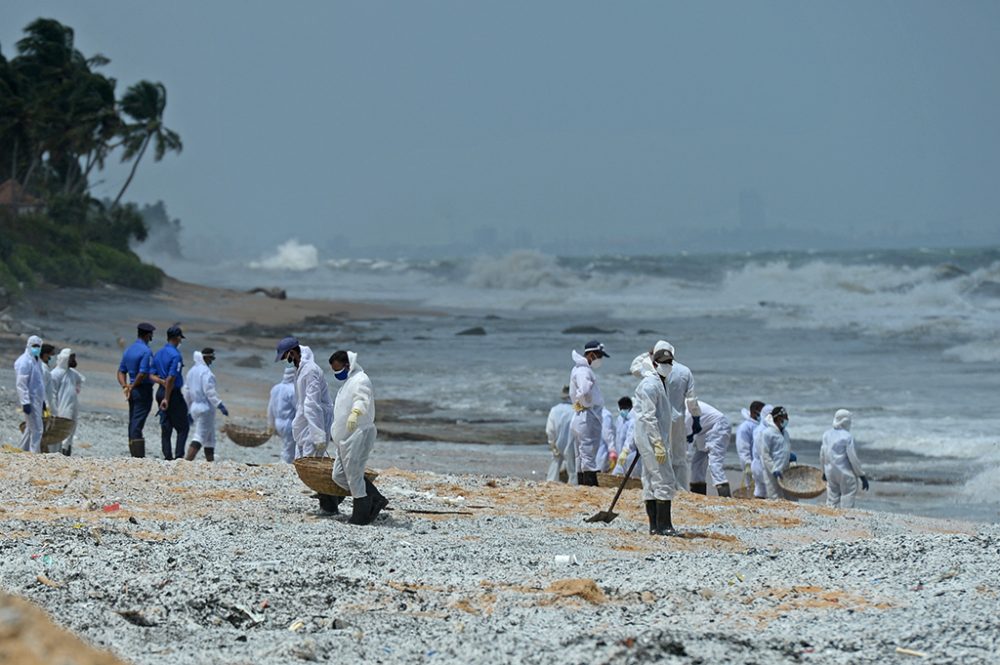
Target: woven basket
[
  {"x": 54, "y": 430},
  {"x": 611, "y": 480},
  {"x": 317, "y": 474},
  {"x": 743, "y": 492},
  {"x": 802, "y": 482},
  {"x": 247, "y": 437}
]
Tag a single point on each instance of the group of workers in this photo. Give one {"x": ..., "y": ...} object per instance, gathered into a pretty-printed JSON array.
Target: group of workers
[
  {"x": 42, "y": 391},
  {"x": 672, "y": 440}
]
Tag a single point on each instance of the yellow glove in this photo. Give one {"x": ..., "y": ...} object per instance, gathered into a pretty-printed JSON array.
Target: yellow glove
[
  {"x": 621, "y": 459},
  {"x": 746, "y": 470},
  {"x": 659, "y": 452},
  {"x": 578, "y": 407},
  {"x": 613, "y": 459},
  {"x": 352, "y": 420}
]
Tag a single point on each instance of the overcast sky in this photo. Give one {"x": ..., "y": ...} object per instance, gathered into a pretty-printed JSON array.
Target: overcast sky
[{"x": 426, "y": 122}]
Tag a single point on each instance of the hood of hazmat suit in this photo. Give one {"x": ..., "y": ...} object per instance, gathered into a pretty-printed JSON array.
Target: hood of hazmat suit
[{"x": 842, "y": 419}]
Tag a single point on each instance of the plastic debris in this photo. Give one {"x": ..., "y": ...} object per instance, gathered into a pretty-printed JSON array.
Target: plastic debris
[
  {"x": 297, "y": 626},
  {"x": 111, "y": 507},
  {"x": 910, "y": 652},
  {"x": 567, "y": 559}
]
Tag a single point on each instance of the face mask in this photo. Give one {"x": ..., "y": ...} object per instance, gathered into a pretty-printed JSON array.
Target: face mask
[
  {"x": 36, "y": 351},
  {"x": 596, "y": 364},
  {"x": 342, "y": 374},
  {"x": 664, "y": 370},
  {"x": 623, "y": 413}
]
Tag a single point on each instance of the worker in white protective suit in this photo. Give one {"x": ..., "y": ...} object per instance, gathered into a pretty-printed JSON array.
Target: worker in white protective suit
[
  {"x": 588, "y": 403},
  {"x": 50, "y": 392},
  {"x": 773, "y": 449},
  {"x": 625, "y": 439},
  {"x": 756, "y": 469},
  {"x": 744, "y": 439},
  {"x": 281, "y": 412},
  {"x": 840, "y": 463},
  {"x": 607, "y": 456},
  {"x": 203, "y": 399},
  {"x": 653, "y": 415},
  {"x": 708, "y": 448},
  {"x": 29, "y": 381},
  {"x": 560, "y": 440},
  {"x": 313, "y": 406},
  {"x": 680, "y": 388},
  {"x": 66, "y": 383},
  {"x": 353, "y": 434}
]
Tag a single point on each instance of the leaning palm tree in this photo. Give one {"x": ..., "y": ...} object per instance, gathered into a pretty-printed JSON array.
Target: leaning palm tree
[{"x": 144, "y": 102}]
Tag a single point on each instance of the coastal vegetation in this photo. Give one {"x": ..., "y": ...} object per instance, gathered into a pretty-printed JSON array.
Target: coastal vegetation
[{"x": 61, "y": 120}]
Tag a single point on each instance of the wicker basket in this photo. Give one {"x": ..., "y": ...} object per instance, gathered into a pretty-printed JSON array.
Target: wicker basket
[
  {"x": 611, "y": 480},
  {"x": 802, "y": 482},
  {"x": 743, "y": 492},
  {"x": 247, "y": 437},
  {"x": 317, "y": 474},
  {"x": 54, "y": 430}
]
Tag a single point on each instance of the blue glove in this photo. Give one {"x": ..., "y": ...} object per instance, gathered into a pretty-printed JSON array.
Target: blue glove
[
  {"x": 864, "y": 483},
  {"x": 777, "y": 474},
  {"x": 696, "y": 424},
  {"x": 690, "y": 438},
  {"x": 792, "y": 457},
  {"x": 26, "y": 408},
  {"x": 225, "y": 411}
]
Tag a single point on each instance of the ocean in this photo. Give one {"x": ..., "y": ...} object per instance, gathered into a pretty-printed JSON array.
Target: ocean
[{"x": 909, "y": 341}]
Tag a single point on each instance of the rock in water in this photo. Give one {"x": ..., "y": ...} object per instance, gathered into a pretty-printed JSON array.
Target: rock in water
[{"x": 478, "y": 330}]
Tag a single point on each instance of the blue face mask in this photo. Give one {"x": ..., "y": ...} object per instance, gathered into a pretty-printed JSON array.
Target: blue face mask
[
  {"x": 624, "y": 412},
  {"x": 36, "y": 351},
  {"x": 342, "y": 374}
]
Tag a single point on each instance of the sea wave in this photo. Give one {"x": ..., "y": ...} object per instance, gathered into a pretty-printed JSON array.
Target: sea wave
[{"x": 290, "y": 255}]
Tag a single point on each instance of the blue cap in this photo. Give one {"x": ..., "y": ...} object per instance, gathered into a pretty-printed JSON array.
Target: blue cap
[
  {"x": 175, "y": 331},
  {"x": 146, "y": 327},
  {"x": 596, "y": 347},
  {"x": 284, "y": 346}
]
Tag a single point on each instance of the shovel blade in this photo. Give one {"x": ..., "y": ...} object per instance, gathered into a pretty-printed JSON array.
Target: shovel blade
[{"x": 605, "y": 516}]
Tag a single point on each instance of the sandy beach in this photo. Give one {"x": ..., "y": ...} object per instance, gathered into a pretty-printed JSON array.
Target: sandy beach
[{"x": 174, "y": 562}]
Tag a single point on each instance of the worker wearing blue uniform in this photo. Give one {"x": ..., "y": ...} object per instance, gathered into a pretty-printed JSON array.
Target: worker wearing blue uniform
[
  {"x": 168, "y": 365},
  {"x": 134, "y": 376}
]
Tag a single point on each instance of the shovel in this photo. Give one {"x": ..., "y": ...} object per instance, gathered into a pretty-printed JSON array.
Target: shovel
[{"x": 608, "y": 516}]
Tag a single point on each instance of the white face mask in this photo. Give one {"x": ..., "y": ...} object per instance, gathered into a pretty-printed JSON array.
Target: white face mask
[
  {"x": 664, "y": 370},
  {"x": 596, "y": 363}
]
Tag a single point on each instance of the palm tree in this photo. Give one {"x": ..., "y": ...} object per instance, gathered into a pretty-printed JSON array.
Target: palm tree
[{"x": 144, "y": 102}]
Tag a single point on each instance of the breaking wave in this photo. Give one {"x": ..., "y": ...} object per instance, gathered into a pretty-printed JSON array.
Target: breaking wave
[{"x": 291, "y": 255}]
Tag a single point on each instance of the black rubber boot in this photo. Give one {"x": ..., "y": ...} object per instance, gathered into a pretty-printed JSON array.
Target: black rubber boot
[
  {"x": 699, "y": 488},
  {"x": 67, "y": 450},
  {"x": 209, "y": 454},
  {"x": 651, "y": 514},
  {"x": 362, "y": 510},
  {"x": 192, "y": 451},
  {"x": 723, "y": 489},
  {"x": 581, "y": 478},
  {"x": 137, "y": 447},
  {"x": 378, "y": 501},
  {"x": 329, "y": 503},
  {"x": 664, "y": 527},
  {"x": 592, "y": 478}
]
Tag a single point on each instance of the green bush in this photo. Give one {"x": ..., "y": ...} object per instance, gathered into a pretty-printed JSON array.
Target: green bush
[
  {"x": 8, "y": 281},
  {"x": 122, "y": 268}
]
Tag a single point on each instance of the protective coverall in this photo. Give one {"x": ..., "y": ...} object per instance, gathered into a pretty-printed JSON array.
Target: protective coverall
[
  {"x": 281, "y": 412},
  {"x": 708, "y": 449},
  {"x": 625, "y": 445},
  {"x": 607, "y": 440},
  {"x": 558, "y": 435},
  {"x": 66, "y": 383},
  {"x": 772, "y": 448},
  {"x": 50, "y": 390},
  {"x": 756, "y": 470},
  {"x": 353, "y": 446},
  {"x": 586, "y": 426},
  {"x": 744, "y": 439},
  {"x": 652, "y": 412},
  {"x": 313, "y": 408},
  {"x": 680, "y": 388},
  {"x": 203, "y": 399},
  {"x": 30, "y": 384},
  {"x": 840, "y": 463}
]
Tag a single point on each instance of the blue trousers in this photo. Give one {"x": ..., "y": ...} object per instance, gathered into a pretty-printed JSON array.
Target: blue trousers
[
  {"x": 140, "y": 403},
  {"x": 174, "y": 419}
]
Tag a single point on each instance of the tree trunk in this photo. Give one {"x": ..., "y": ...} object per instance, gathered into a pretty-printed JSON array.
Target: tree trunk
[{"x": 135, "y": 165}]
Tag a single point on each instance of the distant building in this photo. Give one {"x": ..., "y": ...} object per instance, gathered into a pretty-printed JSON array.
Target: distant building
[
  {"x": 14, "y": 198},
  {"x": 752, "y": 213}
]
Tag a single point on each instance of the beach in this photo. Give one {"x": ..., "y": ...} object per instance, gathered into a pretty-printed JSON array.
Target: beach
[{"x": 176, "y": 562}]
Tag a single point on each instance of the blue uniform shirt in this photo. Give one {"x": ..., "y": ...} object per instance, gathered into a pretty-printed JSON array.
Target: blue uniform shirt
[
  {"x": 137, "y": 359},
  {"x": 167, "y": 363}
]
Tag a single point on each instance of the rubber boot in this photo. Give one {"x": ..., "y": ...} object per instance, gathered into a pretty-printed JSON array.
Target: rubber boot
[
  {"x": 209, "y": 454},
  {"x": 67, "y": 450},
  {"x": 651, "y": 514},
  {"x": 362, "y": 510},
  {"x": 192, "y": 451},
  {"x": 329, "y": 503},
  {"x": 664, "y": 527},
  {"x": 699, "y": 488},
  {"x": 378, "y": 501},
  {"x": 723, "y": 489},
  {"x": 581, "y": 477},
  {"x": 137, "y": 447},
  {"x": 593, "y": 478}
]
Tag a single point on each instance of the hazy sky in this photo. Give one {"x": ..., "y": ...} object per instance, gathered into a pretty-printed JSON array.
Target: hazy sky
[{"x": 424, "y": 121}]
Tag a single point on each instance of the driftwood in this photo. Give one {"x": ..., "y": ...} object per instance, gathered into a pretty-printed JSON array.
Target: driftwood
[{"x": 276, "y": 293}]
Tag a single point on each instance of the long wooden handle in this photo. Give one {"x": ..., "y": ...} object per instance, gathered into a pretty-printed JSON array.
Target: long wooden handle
[{"x": 624, "y": 480}]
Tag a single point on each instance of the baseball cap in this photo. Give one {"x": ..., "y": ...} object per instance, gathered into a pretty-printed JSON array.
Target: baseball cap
[
  {"x": 146, "y": 327},
  {"x": 596, "y": 347},
  {"x": 175, "y": 331},
  {"x": 284, "y": 346}
]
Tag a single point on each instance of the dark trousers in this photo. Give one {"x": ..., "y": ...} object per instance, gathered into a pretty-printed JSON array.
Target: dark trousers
[
  {"x": 174, "y": 419},
  {"x": 140, "y": 403}
]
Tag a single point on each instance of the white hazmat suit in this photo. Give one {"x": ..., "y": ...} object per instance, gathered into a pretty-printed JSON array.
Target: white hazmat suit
[
  {"x": 281, "y": 412},
  {"x": 756, "y": 470},
  {"x": 203, "y": 399},
  {"x": 558, "y": 435},
  {"x": 772, "y": 447},
  {"x": 680, "y": 389},
  {"x": 30, "y": 384},
  {"x": 586, "y": 427},
  {"x": 66, "y": 383},
  {"x": 652, "y": 424},
  {"x": 313, "y": 408},
  {"x": 353, "y": 432},
  {"x": 840, "y": 462},
  {"x": 625, "y": 444},
  {"x": 708, "y": 449},
  {"x": 607, "y": 439}
]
